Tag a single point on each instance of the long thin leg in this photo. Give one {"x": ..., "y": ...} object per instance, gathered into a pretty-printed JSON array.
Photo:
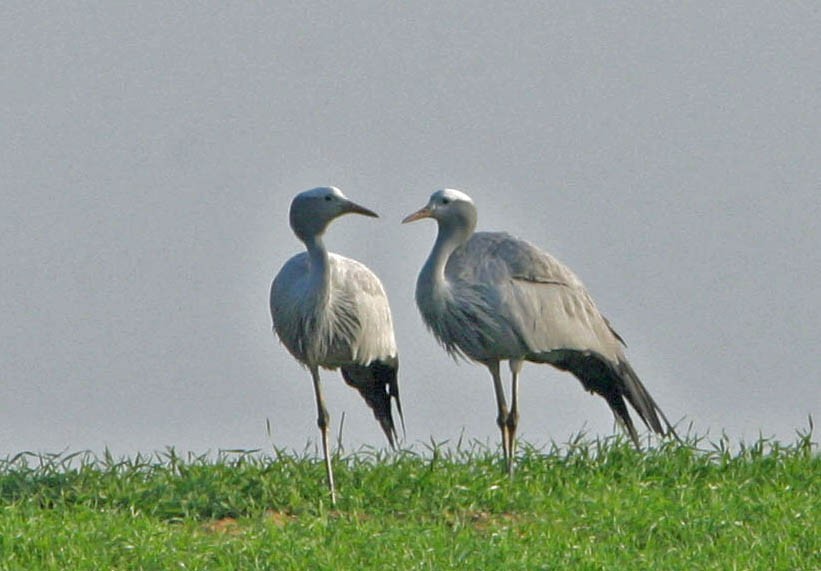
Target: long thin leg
[
  {"x": 501, "y": 404},
  {"x": 323, "y": 420},
  {"x": 513, "y": 417}
]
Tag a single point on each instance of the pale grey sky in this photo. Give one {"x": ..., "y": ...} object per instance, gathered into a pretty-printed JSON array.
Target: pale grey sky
[{"x": 668, "y": 153}]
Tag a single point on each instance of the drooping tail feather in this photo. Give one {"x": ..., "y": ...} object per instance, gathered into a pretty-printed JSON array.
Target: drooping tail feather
[
  {"x": 615, "y": 382},
  {"x": 378, "y": 384},
  {"x": 640, "y": 399}
]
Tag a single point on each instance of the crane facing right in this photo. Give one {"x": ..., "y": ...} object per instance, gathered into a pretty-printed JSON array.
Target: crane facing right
[{"x": 490, "y": 297}]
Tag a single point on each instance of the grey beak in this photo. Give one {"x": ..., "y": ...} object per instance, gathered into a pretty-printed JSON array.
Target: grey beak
[{"x": 354, "y": 208}]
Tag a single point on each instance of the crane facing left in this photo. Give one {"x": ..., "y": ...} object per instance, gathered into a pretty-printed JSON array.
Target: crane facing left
[{"x": 332, "y": 312}]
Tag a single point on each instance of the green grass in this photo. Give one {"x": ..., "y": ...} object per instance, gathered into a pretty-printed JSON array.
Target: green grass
[{"x": 586, "y": 505}]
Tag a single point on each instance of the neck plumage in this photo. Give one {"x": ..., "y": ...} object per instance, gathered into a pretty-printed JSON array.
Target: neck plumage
[
  {"x": 432, "y": 286},
  {"x": 319, "y": 267}
]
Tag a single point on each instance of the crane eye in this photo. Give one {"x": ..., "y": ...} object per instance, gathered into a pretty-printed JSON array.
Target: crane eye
[
  {"x": 445, "y": 201},
  {"x": 328, "y": 198}
]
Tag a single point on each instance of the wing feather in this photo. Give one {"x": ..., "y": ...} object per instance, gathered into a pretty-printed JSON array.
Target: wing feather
[
  {"x": 357, "y": 291},
  {"x": 353, "y": 325},
  {"x": 544, "y": 301}
]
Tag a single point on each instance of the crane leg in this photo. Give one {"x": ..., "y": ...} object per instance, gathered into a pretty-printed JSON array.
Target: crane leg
[
  {"x": 501, "y": 404},
  {"x": 513, "y": 416},
  {"x": 323, "y": 422}
]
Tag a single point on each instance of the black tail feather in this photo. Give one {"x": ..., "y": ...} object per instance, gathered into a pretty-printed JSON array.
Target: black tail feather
[
  {"x": 640, "y": 399},
  {"x": 615, "y": 383},
  {"x": 378, "y": 384},
  {"x": 622, "y": 415}
]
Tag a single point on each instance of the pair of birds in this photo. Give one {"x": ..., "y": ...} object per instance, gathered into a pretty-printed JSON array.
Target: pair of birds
[{"x": 486, "y": 296}]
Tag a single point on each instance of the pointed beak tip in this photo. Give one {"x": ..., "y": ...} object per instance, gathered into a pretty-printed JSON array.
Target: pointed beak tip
[
  {"x": 357, "y": 209},
  {"x": 418, "y": 215}
]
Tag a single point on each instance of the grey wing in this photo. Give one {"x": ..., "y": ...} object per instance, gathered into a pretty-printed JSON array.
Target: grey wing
[
  {"x": 359, "y": 290},
  {"x": 558, "y": 322},
  {"x": 375, "y": 366},
  {"x": 494, "y": 257},
  {"x": 543, "y": 299}
]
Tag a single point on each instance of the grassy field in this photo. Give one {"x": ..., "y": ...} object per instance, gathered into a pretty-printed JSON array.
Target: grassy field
[{"x": 586, "y": 505}]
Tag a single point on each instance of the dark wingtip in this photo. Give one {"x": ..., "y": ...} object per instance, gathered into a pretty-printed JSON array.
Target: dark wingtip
[
  {"x": 378, "y": 384},
  {"x": 616, "y": 381},
  {"x": 640, "y": 399},
  {"x": 619, "y": 408}
]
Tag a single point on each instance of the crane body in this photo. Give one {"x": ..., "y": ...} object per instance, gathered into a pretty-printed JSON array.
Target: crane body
[
  {"x": 491, "y": 297},
  {"x": 332, "y": 312}
]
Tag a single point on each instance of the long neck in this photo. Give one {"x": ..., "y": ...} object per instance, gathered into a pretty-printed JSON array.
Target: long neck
[
  {"x": 432, "y": 281},
  {"x": 320, "y": 269}
]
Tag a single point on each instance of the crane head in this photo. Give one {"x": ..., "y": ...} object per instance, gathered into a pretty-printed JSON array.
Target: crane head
[
  {"x": 312, "y": 210},
  {"x": 447, "y": 206}
]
